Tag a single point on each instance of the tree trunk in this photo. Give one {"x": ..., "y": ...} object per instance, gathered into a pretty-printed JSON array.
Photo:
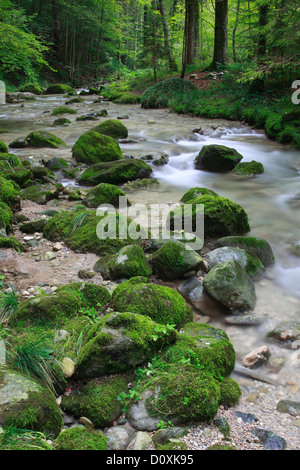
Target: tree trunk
[
  {"x": 221, "y": 28},
  {"x": 168, "y": 47},
  {"x": 56, "y": 29},
  {"x": 235, "y": 29}
]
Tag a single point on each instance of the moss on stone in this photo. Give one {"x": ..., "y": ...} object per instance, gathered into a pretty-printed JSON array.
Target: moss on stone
[
  {"x": 22, "y": 439},
  {"x": 160, "y": 94},
  {"x": 63, "y": 110},
  {"x": 61, "y": 122},
  {"x": 163, "y": 304},
  {"x": 6, "y": 242},
  {"x": 40, "y": 193},
  {"x": 59, "y": 89},
  {"x": 6, "y": 216},
  {"x": 92, "y": 147},
  {"x": 80, "y": 439},
  {"x": 217, "y": 158},
  {"x": 115, "y": 172},
  {"x": 104, "y": 193},
  {"x": 129, "y": 262},
  {"x": 112, "y": 128},
  {"x": 248, "y": 168},
  {"x": 98, "y": 400},
  {"x": 8, "y": 193},
  {"x": 42, "y": 139},
  {"x": 92, "y": 295},
  {"x": 3, "y": 147},
  {"x": 256, "y": 246},
  {"x": 230, "y": 392},
  {"x": 194, "y": 193}
]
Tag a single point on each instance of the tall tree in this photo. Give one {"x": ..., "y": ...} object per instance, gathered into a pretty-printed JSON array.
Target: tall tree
[
  {"x": 168, "y": 47},
  {"x": 221, "y": 34}
]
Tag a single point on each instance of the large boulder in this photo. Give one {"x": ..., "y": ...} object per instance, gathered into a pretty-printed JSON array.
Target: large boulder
[
  {"x": 59, "y": 89},
  {"x": 129, "y": 262},
  {"x": 118, "y": 343},
  {"x": 40, "y": 193},
  {"x": 163, "y": 304},
  {"x": 104, "y": 193},
  {"x": 230, "y": 285},
  {"x": 116, "y": 172},
  {"x": 92, "y": 147},
  {"x": 217, "y": 158},
  {"x": 26, "y": 404},
  {"x": 251, "y": 263},
  {"x": 112, "y": 128},
  {"x": 173, "y": 260},
  {"x": 221, "y": 216},
  {"x": 42, "y": 139},
  {"x": 254, "y": 245}
]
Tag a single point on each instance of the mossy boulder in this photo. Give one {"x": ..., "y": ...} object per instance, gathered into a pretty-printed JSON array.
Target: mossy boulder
[
  {"x": 23, "y": 440},
  {"x": 59, "y": 89},
  {"x": 40, "y": 193},
  {"x": 42, "y": 139},
  {"x": 43, "y": 174},
  {"x": 31, "y": 88},
  {"x": 159, "y": 95},
  {"x": 7, "y": 242},
  {"x": 19, "y": 143},
  {"x": 251, "y": 263},
  {"x": 115, "y": 172},
  {"x": 25, "y": 404},
  {"x": 205, "y": 347},
  {"x": 173, "y": 260},
  {"x": 3, "y": 147},
  {"x": 217, "y": 158},
  {"x": 56, "y": 164},
  {"x": 92, "y": 147},
  {"x": 33, "y": 226},
  {"x": 143, "y": 184},
  {"x": 63, "y": 110},
  {"x": 8, "y": 193},
  {"x": 230, "y": 392},
  {"x": 221, "y": 216},
  {"x": 85, "y": 231},
  {"x": 256, "y": 246},
  {"x": 194, "y": 193},
  {"x": 180, "y": 394},
  {"x": 229, "y": 284},
  {"x": 104, "y": 193},
  {"x": 97, "y": 400},
  {"x": 80, "y": 439},
  {"x": 6, "y": 217},
  {"x": 248, "y": 168},
  {"x": 118, "y": 343},
  {"x": 61, "y": 122},
  {"x": 163, "y": 304},
  {"x": 189, "y": 241},
  {"x": 112, "y": 128},
  {"x": 19, "y": 175},
  {"x": 129, "y": 262}
]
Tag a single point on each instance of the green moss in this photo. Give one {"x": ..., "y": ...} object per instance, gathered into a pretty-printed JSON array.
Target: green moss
[
  {"x": 115, "y": 172},
  {"x": 92, "y": 295},
  {"x": 61, "y": 122},
  {"x": 204, "y": 347},
  {"x": 174, "y": 444},
  {"x": 23, "y": 439},
  {"x": 104, "y": 194},
  {"x": 217, "y": 158},
  {"x": 59, "y": 89},
  {"x": 248, "y": 168},
  {"x": 18, "y": 175},
  {"x": 163, "y": 304},
  {"x": 221, "y": 447},
  {"x": 230, "y": 392},
  {"x": 258, "y": 247},
  {"x": 92, "y": 147},
  {"x": 11, "y": 160},
  {"x": 194, "y": 193},
  {"x": 221, "y": 216},
  {"x": 80, "y": 439},
  {"x": 31, "y": 88},
  {"x": 273, "y": 125},
  {"x": 40, "y": 193},
  {"x": 3, "y": 147},
  {"x": 8, "y": 193},
  {"x": 63, "y": 110},
  {"x": 129, "y": 262},
  {"x": 112, "y": 128},
  {"x": 78, "y": 229},
  {"x": 42, "y": 139},
  {"x": 75, "y": 100},
  {"x": 6, "y": 216},
  {"x": 6, "y": 242},
  {"x": 97, "y": 401}
]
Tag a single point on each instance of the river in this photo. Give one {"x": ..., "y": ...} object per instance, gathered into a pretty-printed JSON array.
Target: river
[{"x": 269, "y": 199}]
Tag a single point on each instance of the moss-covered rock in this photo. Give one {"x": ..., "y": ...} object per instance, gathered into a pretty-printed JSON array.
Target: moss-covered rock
[
  {"x": 23, "y": 440},
  {"x": 230, "y": 392},
  {"x": 194, "y": 193},
  {"x": 163, "y": 304},
  {"x": 85, "y": 232},
  {"x": 19, "y": 143},
  {"x": 92, "y": 147},
  {"x": 20, "y": 175},
  {"x": 112, "y": 128},
  {"x": 205, "y": 347},
  {"x": 7, "y": 242},
  {"x": 3, "y": 147},
  {"x": 248, "y": 168},
  {"x": 251, "y": 263},
  {"x": 25, "y": 404},
  {"x": 8, "y": 193},
  {"x": 129, "y": 262},
  {"x": 31, "y": 88},
  {"x": 173, "y": 260},
  {"x": 119, "y": 343},
  {"x": 145, "y": 183},
  {"x": 33, "y": 226},
  {"x": 59, "y": 89},
  {"x": 40, "y": 193},
  {"x": 221, "y": 216},
  {"x": 42, "y": 139},
  {"x": 217, "y": 158},
  {"x": 115, "y": 172},
  {"x": 80, "y": 439},
  {"x": 98, "y": 400},
  {"x": 6, "y": 217},
  {"x": 43, "y": 174},
  {"x": 254, "y": 245},
  {"x": 229, "y": 284},
  {"x": 56, "y": 164},
  {"x": 63, "y": 110},
  {"x": 104, "y": 194},
  {"x": 61, "y": 122}
]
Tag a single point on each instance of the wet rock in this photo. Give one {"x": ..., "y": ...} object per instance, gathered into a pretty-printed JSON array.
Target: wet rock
[
  {"x": 83, "y": 274},
  {"x": 252, "y": 265},
  {"x": 270, "y": 440},
  {"x": 217, "y": 158},
  {"x": 245, "y": 319},
  {"x": 257, "y": 358},
  {"x": 288, "y": 406},
  {"x": 163, "y": 436},
  {"x": 254, "y": 245},
  {"x": 194, "y": 292},
  {"x": 119, "y": 437},
  {"x": 246, "y": 417},
  {"x": 285, "y": 332}
]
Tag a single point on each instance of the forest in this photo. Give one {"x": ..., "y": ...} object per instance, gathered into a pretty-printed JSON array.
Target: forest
[{"x": 149, "y": 227}]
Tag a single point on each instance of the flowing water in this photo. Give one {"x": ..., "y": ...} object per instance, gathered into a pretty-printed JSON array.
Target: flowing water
[{"x": 269, "y": 199}]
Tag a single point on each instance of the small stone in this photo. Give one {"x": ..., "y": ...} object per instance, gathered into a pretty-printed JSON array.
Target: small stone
[
  {"x": 257, "y": 358},
  {"x": 86, "y": 422},
  {"x": 57, "y": 246},
  {"x": 68, "y": 367},
  {"x": 49, "y": 255}
]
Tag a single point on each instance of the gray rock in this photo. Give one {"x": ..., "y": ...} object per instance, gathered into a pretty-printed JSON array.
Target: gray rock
[
  {"x": 256, "y": 246},
  {"x": 142, "y": 441},
  {"x": 252, "y": 265},
  {"x": 193, "y": 291},
  {"x": 270, "y": 440},
  {"x": 2, "y": 353},
  {"x": 288, "y": 406},
  {"x": 119, "y": 437},
  {"x": 285, "y": 332},
  {"x": 163, "y": 436},
  {"x": 139, "y": 417}
]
